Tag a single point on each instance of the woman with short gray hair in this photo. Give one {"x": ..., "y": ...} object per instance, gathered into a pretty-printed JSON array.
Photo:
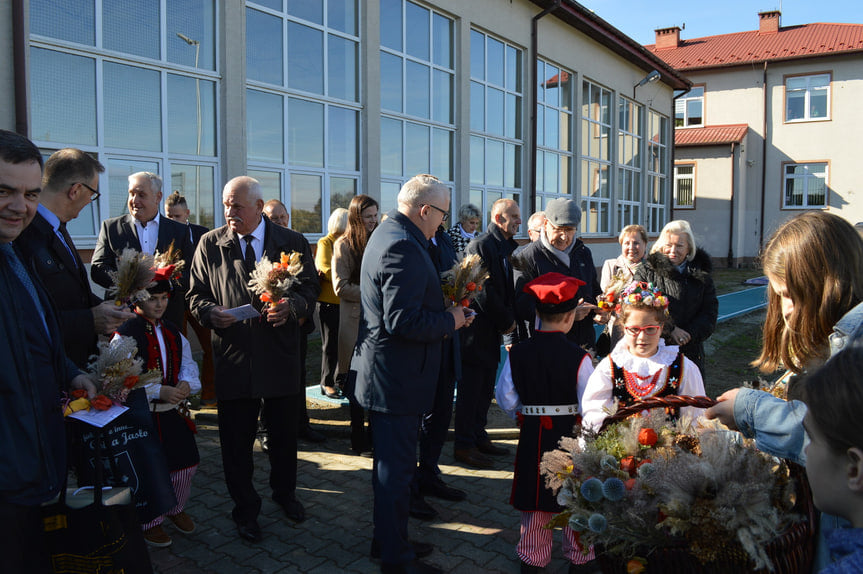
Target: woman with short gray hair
[{"x": 466, "y": 229}]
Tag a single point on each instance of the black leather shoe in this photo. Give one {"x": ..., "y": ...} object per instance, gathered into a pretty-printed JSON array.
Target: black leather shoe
[
  {"x": 413, "y": 567},
  {"x": 439, "y": 489},
  {"x": 421, "y": 509},
  {"x": 591, "y": 567},
  {"x": 247, "y": 530},
  {"x": 421, "y": 549},
  {"x": 530, "y": 569},
  {"x": 294, "y": 510},
  {"x": 489, "y": 447},
  {"x": 472, "y": 457},
  {"x": 307, "y": 433},
  {"x": 336, "y": 394}
]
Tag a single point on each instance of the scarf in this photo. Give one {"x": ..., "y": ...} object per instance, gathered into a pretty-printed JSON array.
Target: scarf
[{"x": 563, "y": 256}]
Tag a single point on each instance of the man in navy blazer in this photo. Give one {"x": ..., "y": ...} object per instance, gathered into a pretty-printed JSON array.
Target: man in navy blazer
[
  {"x": 397, "y": 358},
  {"x": 70, "y": 183},
  {"x": 143, "y": 230}
]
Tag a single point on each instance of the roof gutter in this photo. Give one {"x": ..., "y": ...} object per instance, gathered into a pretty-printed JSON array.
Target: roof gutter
[
  {"x": 19, "y": 64},
  {"x": 534, "y": 53},
  {"x": 731, "y": 211}
]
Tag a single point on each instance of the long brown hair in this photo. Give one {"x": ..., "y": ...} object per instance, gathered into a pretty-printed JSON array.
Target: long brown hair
[
  {"x": 819, "y": 257},
  {"x": 356, "y": 235}
]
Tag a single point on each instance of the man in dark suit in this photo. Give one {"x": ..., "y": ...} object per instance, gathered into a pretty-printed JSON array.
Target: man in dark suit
[
  {"x": 495, "y": 308},
  {"x": 403, "y": 322},
  {"x": 35, "y": 371},
  {"x": 256, "y": 358},
  {"x": 143, "y": 230},
  {"x": 69, "y": 184},
  {"x": 177, "y": 210}
]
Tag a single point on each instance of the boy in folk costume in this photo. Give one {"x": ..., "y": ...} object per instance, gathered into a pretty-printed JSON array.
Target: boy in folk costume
[
  {"x": 162, "y": 346},
  {"x": 541, "y": 383}
]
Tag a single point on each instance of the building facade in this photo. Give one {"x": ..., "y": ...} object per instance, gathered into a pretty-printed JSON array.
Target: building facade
[
  {"x": 767, "y": 130},
  {"x": 324, "y": 99}
]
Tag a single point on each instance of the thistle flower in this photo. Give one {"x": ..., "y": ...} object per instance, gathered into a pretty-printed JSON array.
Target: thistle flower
[
  {"x": 613, "y": 489},
  {"x": 608, "y": 462},
  {"x": 597, "y": 523},
  {"x": 564, "y": 497},
  {"x": 591, "y": 490},
  {"x": 646, "y": 470}
]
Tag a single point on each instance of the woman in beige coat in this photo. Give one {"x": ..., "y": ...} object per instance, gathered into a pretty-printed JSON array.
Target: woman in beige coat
[{"x": 347, "y": 256}]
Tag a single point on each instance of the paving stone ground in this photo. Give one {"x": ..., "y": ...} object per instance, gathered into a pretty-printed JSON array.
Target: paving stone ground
[{"x": 477, "y": 535}]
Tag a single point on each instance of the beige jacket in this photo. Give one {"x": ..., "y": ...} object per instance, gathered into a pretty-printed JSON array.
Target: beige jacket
[{"x": 349, "y": 307}]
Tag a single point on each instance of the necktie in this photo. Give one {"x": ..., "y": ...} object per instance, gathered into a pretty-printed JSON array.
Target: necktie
[
  {"x": 250, "y": 254},
  {"x": 67, "y": 241},
  {"x": 24, "y": 277}
]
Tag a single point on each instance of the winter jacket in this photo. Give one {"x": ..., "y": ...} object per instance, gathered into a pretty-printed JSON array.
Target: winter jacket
[
  {"x": 691, "y": 295},
  {"x": 536, "y": 260}
]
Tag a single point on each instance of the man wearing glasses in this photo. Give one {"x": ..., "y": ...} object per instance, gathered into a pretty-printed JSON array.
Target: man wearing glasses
[
  {"x": 146, "y": 231},
  {"x": 70, "y": 183}
]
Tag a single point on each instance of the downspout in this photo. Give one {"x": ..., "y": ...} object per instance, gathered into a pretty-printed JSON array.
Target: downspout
[
  {"x": 674, "y": 150},
  {"x": 731, "y": 213},
  {"x": 763, "y": 156},
  {"x": 534, "y": 41},
  {"x": 19, "y": 64}
]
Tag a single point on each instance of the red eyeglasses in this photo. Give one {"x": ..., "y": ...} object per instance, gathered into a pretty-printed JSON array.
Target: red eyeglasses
[{"x": 648, "y": 330}]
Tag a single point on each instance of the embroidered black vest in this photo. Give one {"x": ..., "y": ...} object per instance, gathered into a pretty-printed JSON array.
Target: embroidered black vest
[
  {"x": 627, "y": 394},
  {"x": 144, "y": 333}
]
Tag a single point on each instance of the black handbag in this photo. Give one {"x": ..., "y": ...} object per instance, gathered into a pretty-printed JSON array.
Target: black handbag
[{"x": 95, "y": 530}]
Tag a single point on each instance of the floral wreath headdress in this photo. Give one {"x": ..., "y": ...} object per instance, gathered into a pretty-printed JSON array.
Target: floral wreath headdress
[{"x": 639, "y": 293}]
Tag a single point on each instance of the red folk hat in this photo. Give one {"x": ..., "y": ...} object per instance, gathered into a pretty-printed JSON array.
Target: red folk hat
[{"x": 554, "y": 292}]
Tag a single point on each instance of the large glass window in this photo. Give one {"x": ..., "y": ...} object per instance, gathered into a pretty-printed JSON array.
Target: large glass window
[
  {"x": 554, "y": 161},
  {"x": 807, "y": 98},
  {"x": 629, "y": 164},
  {"x": 805, "y": 185},
  {"x": 596, "y": 117},
  {"x": 657, "y": 171},
  {"x": 689, "y": 109},
  {"x": 303, "y": 125},
  {"x": 417, "y": 95},
  {"x": 497, "y": 145},
  {"x": 143, "y": 87},
  {"x": 684, "y": 186}
]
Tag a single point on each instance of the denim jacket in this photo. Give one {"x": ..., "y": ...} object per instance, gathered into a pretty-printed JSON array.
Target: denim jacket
[
  {"x": 777, "y": 425},
  {"x": 847, "y": 545}
]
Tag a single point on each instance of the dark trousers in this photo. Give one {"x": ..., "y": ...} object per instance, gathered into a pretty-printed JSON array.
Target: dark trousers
[
  {"x": 433, "y": 429},
  {"x": 475, "y": 390},
  {"x": 395, "y": 444},
  {"x": 328, "y": 313},
  {"x": 22, "y": 544},
  {"x": 238, "y": 423}
]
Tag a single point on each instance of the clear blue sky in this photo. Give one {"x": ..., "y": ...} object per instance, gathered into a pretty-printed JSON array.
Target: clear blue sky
[{"x": 639, "y": 18}]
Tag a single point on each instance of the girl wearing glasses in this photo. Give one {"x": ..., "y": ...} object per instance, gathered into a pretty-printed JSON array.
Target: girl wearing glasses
[{"x": 641, "y": 365}]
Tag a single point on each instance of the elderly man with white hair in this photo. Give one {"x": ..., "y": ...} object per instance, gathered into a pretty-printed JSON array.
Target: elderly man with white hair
[
  {"x": 257, "y": 358},
  {"x": 143, "y": 229}
]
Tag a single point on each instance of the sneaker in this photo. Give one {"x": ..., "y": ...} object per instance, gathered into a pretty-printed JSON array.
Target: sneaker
[
  {"x": 157, "y": 537},
  {"x": 183, "y": 522}
]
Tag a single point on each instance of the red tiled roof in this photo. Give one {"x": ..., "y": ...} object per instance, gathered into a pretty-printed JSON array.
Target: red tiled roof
[
  {"x": 791, "y": 42},
  {"x": 710, "y": 135}
]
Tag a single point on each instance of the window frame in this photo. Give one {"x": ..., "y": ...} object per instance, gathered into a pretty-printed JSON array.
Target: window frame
[
  {"x": 807, "y": 97},
  {"x": 678, "y": 178},
  {"x": 682, "y": 101},
  {"x": 806, "y": 177},
  {"x": 562, "y": 156}
]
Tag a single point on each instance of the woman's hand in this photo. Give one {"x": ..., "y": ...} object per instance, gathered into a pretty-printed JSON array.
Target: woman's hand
[
  {"x": 724, "y": 409},
  {"x": 680, "y": 336}
]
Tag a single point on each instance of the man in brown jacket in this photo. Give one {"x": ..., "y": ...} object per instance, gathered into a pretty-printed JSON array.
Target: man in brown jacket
[{"x": 256, "y": 358}]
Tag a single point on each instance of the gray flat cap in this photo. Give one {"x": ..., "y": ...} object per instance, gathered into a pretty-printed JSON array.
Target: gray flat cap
[{"x": 562, "y": 212}]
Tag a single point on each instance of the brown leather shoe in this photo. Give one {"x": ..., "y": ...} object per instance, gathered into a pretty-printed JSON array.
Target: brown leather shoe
[
  {"x": 183, "y": 522},
  {"x": 489, "y": 447},
  {"x": 472, "y": 457},
  {"x": 157, "y": 537}
]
